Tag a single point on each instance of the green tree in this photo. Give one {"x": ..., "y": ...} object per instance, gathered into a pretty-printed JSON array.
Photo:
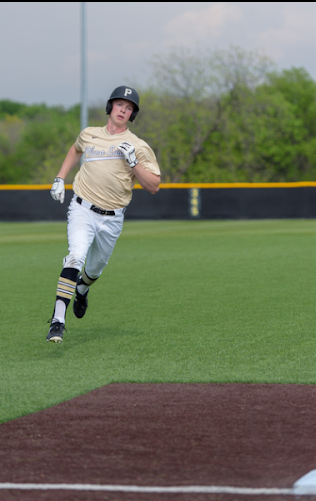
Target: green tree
[
  {"x": 299, "y": 91},
  {"x": 189, "y": 96},
  {"x": 213, "y": 116},
  {"x": 34, "y": 146},
  {"x": 258, "y": 141},
  {"x": 226, "y": 116}
]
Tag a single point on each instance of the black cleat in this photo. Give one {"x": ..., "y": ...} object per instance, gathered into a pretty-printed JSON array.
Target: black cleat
[
  {"x": 56, "y": 331},
  {"x": 80, "y": 304}
]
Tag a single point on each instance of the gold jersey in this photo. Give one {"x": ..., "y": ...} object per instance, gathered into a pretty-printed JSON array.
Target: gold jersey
[{"x": 104, "y": 178}]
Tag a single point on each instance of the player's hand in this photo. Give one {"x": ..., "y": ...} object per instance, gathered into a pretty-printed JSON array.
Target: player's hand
[
  {"x": 58, "y": 189},
  {"x": 128, "y": 151}
]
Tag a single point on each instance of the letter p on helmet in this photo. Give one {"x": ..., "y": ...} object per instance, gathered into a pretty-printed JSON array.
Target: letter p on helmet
[{"x": 127, "y": 92}]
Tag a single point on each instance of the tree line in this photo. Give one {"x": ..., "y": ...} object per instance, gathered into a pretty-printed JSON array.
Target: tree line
[{"x": 217, "y": 116}]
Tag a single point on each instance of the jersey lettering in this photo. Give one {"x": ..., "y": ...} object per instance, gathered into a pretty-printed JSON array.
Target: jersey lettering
[{"x": 91, "y": 154}]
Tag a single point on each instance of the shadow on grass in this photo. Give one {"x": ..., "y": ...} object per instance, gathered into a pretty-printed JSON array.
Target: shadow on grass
[{"x": 95, "y": 337}]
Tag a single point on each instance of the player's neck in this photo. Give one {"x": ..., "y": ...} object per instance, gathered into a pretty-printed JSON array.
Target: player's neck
[{"x": 114, "y": 129}]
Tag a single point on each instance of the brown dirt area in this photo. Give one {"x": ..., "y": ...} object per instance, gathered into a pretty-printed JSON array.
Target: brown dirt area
[{"x": 239, "y": 435}]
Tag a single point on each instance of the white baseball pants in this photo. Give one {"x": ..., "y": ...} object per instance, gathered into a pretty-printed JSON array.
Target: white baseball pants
[{"x": 91, "y": 238}]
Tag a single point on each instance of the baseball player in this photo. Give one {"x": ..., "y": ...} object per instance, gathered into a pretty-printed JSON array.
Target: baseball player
[{"x": 113, "y": 158}]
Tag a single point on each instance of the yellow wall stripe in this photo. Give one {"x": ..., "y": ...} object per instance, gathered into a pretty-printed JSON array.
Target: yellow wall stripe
[
  {"x": 30, "y": 186},
  {"x": 300, "y": 184},
  {"x": 238, "y": 185}
]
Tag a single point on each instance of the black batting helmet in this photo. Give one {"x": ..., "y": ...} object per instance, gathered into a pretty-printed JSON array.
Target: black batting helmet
[{"x": 124, "y": 93}]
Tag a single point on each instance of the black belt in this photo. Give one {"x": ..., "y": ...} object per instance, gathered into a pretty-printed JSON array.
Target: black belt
[{"x": 94, "y": 208}]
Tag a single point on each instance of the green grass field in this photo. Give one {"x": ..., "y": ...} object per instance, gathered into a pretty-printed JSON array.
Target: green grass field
[{"x": 192, "y": 301}]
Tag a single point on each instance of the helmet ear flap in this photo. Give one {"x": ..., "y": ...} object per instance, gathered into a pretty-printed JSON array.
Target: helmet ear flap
[
  {"x": 133, "y": 116},
  {"x": 109, "y": 107}
]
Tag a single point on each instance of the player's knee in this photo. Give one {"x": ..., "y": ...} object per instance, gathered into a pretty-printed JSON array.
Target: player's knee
[{"x": 74, "y": 260}]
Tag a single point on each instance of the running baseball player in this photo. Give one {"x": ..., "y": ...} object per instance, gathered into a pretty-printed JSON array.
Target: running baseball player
[{"x": 113, "y": 158}]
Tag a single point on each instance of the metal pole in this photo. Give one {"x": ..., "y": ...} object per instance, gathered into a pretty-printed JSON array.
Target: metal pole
[{"x": 84, "y": 99}]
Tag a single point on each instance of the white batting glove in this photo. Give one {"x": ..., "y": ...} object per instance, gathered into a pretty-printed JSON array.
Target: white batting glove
[
  {"x": 58, "y": 189},
  {"x": 128, "y": 151}
]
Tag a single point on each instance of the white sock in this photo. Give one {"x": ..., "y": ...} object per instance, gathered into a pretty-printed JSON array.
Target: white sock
[
  {"x": 60, "y": 311},
  {"x": 82, "y": 288}
]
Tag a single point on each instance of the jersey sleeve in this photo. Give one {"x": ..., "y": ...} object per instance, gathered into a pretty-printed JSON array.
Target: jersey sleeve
[
  {"x": 147, "y": 158},
  {"x": 80, "y": 142}
]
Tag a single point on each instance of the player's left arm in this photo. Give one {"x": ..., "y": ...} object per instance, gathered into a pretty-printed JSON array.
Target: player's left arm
[{"x": 149, "y": 181}]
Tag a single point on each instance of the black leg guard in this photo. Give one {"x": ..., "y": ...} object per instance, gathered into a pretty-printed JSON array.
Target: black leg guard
[
  {"x": 85, "y": 279},
  {"x": 66, "y": 285}
]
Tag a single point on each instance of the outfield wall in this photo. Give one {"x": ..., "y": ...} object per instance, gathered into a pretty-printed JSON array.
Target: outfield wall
[{"x": 175, "y": 201}]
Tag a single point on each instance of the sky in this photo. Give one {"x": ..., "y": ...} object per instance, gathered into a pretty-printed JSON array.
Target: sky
[{"x": 40, "y": 42}]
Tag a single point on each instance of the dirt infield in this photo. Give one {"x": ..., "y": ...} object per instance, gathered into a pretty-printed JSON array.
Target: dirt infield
[{"x": 240, "y": 435}]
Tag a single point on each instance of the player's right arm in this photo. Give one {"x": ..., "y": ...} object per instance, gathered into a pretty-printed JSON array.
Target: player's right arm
[{"x": 71, "y": 160}]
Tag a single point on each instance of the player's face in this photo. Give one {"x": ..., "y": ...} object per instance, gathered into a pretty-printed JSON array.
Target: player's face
[{"x": 121, "y": 111}]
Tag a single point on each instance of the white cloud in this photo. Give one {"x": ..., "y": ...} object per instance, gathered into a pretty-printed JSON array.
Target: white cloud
[
  {"x": 297, "y": 30},
  {"x": 209, "y": 23}
]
